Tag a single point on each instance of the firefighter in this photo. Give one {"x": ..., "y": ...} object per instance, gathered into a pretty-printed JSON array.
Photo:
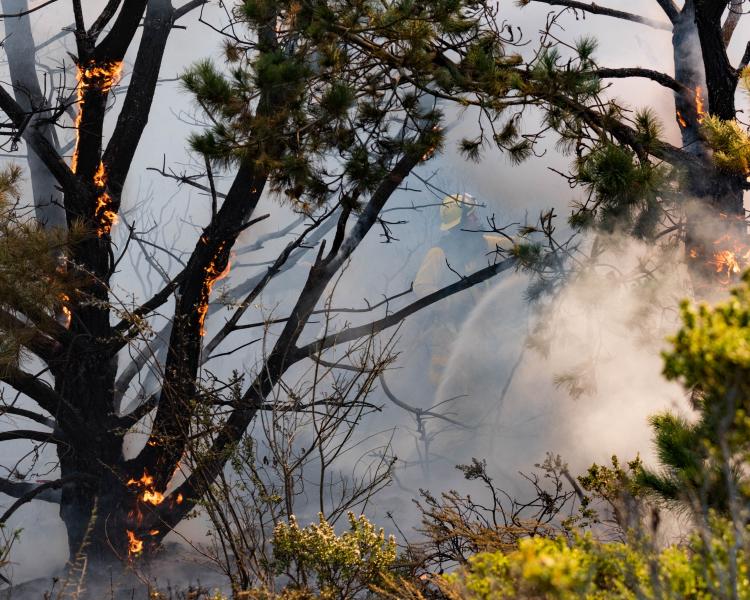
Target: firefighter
[{"x": 457, "y": 251}]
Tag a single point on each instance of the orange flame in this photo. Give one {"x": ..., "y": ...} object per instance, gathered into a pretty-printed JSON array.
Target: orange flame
[
  {"x": 726, "y": 262},
  {"x": 145, "y": 480},
  {"x": 67, "y": 315},
  {"x": 700, "y": 107},
  {"x": 211, "y": 276},
  {"x": 179, "y": 498},
  {"x": 149, "y": 495},
  {"x": 681, "y": 120},
  {"x": 429, "y": 154},
  {"x": 103, "y": 77},
  {"x": 153, "y": 497},
  {"x": 135, "y": 546},
  {"x": 729, "y": 258},
  {"x": 105, "y": 217}
]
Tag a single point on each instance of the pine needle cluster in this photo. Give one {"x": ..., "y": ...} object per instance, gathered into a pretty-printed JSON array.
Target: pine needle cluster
[
  {"x": 33, "y": 281},
  {"x": 325, "y": 95}
]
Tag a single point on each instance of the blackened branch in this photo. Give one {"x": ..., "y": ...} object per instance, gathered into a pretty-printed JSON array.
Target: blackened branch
[
  {"x": 657, "y": 76},
  {"x": 596, "y": 9},
  {"x": 353, "y": 333}
]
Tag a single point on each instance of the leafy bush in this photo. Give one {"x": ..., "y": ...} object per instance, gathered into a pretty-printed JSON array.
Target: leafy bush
[
  {"x": 586, "y": 568},
  {"x": 341, "y": 566}
]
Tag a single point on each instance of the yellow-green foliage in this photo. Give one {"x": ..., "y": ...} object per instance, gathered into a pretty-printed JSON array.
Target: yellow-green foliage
[
  {"x": 712, "y": 350},
  {"x": 703, "y": 461},
  {"x": 342, "y": 564},
  {"x": 558, "y": 569},
  {"x": 31, "y": 274},
  {"x": 730, "y": 144}
]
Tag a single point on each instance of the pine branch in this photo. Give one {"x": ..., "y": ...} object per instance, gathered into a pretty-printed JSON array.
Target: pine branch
[{"x": 41, "y": 344}]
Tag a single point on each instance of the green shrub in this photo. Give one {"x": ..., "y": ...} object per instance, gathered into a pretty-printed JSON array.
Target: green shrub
[
  {"x": 593, "y": 570},
  {"x": 341, "y": 566}
]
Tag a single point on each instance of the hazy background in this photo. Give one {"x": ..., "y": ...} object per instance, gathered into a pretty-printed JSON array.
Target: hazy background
[{"x": 606, "y": 332}]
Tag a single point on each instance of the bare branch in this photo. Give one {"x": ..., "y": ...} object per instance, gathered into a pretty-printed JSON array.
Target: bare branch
[
  {"x": 187, "y": 7},
  {"x": 732, "y": 20},
  {"x": 41, "y": 146},
  {"x": 657, "y": 76},
  {"x": 157, "y": 300},
  {"x": 36, "y": 389},
  {"x": 670, "y": 9},
  {"x": 38, "y": 492},
  {"x": 595, "y": 9},
  {"x": 44, "y": 437},
  {"x": 186, "y": 179},
  {"x": 139, "y": 361},
  {"x": 104, "y": 17},
  {"x": 261, "y": 284},
  {"x": 21, "y": 56},
  {"x": 415, "y": 410},
  {"x": 23, "y": 13},
  {"x": 21, "y": 489},
  {"x": 141, "y": 411},
  {"x": 28, "y": 414},
  {"x": 353, "y": 333}
]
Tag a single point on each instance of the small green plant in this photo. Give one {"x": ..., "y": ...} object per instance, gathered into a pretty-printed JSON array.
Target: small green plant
[{"x": 339, "y": 566}]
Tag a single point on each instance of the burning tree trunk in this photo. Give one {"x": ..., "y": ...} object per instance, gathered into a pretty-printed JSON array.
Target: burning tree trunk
[{"x": 717, "y": 234}]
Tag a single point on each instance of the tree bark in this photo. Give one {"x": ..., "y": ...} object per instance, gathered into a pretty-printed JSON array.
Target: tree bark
[{"x": 21, "y": 52}]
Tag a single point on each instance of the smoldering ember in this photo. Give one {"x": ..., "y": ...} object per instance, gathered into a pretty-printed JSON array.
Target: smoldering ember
[{"x": 394, "y": 299}]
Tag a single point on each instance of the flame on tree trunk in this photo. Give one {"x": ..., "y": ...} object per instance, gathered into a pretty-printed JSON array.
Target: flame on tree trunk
[{"x": 716, "y": 235}]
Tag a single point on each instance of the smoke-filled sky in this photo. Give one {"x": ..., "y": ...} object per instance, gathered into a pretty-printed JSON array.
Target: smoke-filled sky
[{"x": 603, "y": 333}]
